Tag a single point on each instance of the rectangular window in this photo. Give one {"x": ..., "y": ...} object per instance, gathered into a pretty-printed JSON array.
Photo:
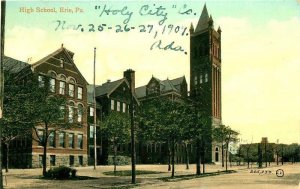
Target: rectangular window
[
  {"x": 201, "y": 78},
  {"x": 71, "y": 160},
  {"x": 206, "y": 77},
  {"x": 91, "y": 131},
  {"x": 91, "y": 111},
  {"x": 52, "y": 139},
  {"x": 62, "y": 87},
  {"x": 80, "y": 141},
  {"x": 52, "y": 160},
  {"x": 71, "y": 114},
  {"x": 62, "y": 140},
  {"x": 124, "y": 107},
  {"x": 79, "y": 93},
  {"x": 41, "y": 81},
  {"x": 79, "y": 113},
  {"x": 80, "y": 160},
  {"x": 41, "y": 160},
  {"x": 112, "y": 104},
  {"x": 196, "y": 80},
  {"x": 118, "y": 106},
  {"x": 71, "y": 90},
  {"x": 52, "y": 85},
  {"x": 71, "y": 140},
  {"x": 62, "y": 112},
  {"x": 41, "y": 137}
]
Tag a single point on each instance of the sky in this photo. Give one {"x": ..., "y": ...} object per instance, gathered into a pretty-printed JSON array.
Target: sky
[{"x": 260, "y": 50}]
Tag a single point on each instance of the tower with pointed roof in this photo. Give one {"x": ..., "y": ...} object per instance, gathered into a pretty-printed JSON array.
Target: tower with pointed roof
[{"x": 205, "y": 67}]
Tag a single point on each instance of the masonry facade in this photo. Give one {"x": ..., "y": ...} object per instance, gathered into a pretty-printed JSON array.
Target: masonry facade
[
  {"x": 205, "y": 73},
  {"x": 65, "y": 147}
]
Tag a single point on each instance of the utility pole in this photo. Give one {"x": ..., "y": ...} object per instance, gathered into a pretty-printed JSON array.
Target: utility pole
[
  {"x": 3, "y": 8},
  {"x": 95, "y": 114},
  {"x": 133, "y": 174}
]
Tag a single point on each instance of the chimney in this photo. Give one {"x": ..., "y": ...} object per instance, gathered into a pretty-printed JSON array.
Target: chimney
[{"x": 130, "y": 76}]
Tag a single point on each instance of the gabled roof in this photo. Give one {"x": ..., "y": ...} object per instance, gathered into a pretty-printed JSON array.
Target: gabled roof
[
  {"x": 203, "y": 21},
  {"x": 165, "y": 86},
  {"x": 69, "y": 55},
  {"x": 12, "y": 65},
  {"x": 109, "y": 87},
  {"x": 178, "y": 80},
  {"x": 140, "y": 91}
]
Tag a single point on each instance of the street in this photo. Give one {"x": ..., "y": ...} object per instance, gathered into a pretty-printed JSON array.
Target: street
[{"x": 264, "y": 178}]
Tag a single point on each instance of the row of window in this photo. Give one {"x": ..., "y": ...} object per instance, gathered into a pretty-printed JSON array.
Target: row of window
[
  {"x": 53, "y": 160},
  {"x": 61, "y": 139},
  {"x": 203, "y": 78},
  {"x": 71, "y": 113},
  {"x": 62, "y": 86},
  {"x": 116, "y": 105}
]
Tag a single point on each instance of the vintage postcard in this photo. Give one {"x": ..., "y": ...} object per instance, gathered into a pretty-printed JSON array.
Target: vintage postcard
[{"x": 150, "y": 94}]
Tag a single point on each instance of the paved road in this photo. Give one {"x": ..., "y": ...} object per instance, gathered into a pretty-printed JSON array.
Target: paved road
[{"x": 266, "y": 178}]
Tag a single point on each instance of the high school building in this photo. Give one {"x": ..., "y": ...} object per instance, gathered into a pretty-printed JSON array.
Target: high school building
[
  {"x": 65, "y": 147},
  {"x": 75, "y": 146}
]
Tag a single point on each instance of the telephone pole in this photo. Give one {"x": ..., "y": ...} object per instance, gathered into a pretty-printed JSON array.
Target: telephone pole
[
  {"x": 3, "y": 8},
  {"x": 95, "y": 114}
]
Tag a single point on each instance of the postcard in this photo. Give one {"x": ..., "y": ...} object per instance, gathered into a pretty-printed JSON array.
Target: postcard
[{"x": 150, "y": 94}]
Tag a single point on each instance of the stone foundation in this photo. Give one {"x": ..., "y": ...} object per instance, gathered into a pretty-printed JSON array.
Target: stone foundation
[{"x": 60, "y": 159}]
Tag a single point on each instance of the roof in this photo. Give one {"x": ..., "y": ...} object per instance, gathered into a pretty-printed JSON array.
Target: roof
[
  {"x": 165, "y": 85},
  {"x": 140, "y": 91},
  {"x": 178, "y": 80},
  {"x": 69, "y": 55},
  {"x": 12, "y": 65},
  {"x": 108, "y": 87},
  {"x": 90, "y": 94},
  {"x": 203, "y": 21}
]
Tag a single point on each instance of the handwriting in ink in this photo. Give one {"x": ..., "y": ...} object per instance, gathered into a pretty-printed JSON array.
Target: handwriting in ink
[
  {"x": 185, "y": 10},
  {"x": 156, "y": 11},
  {"x": 158, "y": 44},
  {"x": 63, "y": 26},
  {"x": 109, "y": 11}
]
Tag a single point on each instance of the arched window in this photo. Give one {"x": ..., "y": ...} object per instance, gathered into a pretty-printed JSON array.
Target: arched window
[
  {"x": 62, "y": 84},
  {"x": 52, "y": 82},
  {"x": 71, "y": 112},
  {"x": 80, "y": 113}
]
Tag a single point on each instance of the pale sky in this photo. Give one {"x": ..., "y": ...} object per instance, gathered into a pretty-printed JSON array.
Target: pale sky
[{"x": 260, "y": 52}]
